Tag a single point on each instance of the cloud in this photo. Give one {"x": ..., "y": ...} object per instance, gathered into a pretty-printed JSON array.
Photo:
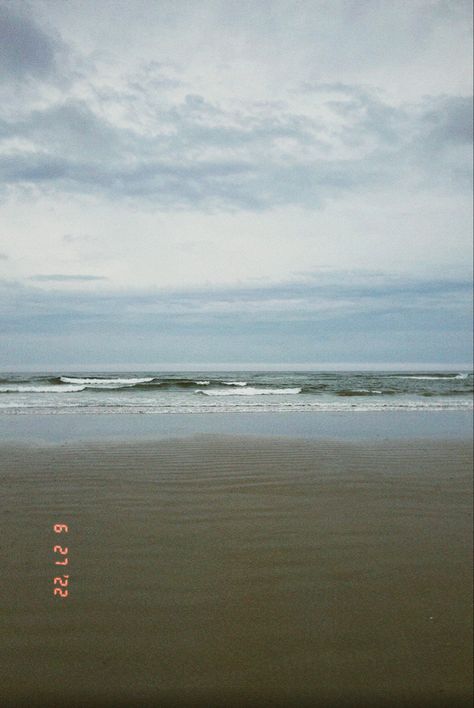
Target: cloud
[
  {"x": 216, "y": 143},
  {"x": 450, "y": 121},
  {"x": 319, "y": 295},
  {"x": 64, "y": 278},
  {"x": 26, "y": 51},
  {"x": 198, "y": 154},
  {"x": 153, "y": 132},
  {"x": 369, "y": 315}
]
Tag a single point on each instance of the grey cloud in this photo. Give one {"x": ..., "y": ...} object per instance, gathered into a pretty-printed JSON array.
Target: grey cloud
[
  {"x": 322, "y": 294},
  {"x": 64, "y": 278},
  {"x": 442, "y": 142},
  {"x": 428, "y": 319},
  {"x": 195, "y": 153},
  {"x": 25, "y": 49},
  {"x": 70, "y": 128},
  {"x": 155, "y": 76},
  {"x": 450, "y": 121},
  {"x": 3, "y": 257},
  {"x": 367, "y": 115}
]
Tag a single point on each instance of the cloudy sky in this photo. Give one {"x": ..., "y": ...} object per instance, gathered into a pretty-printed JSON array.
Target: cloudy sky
[{"x": 201, "y": 181}]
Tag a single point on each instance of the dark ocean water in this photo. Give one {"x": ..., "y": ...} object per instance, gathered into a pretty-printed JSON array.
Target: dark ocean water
[{"x": 183, "y": 392}]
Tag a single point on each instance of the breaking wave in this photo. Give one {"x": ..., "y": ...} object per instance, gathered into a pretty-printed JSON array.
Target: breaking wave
[
  {"x": 236, "y": 390},
  {"x": 427, "y": 377},
  {"x": 250, "y": 391},
  {"x": 361, "y": 392},
  {"x": 41, "y": 389},
  {"x": 103, "y": 381}
]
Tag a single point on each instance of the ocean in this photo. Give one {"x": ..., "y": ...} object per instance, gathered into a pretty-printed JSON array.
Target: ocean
[{"x": 214, "y": 392}]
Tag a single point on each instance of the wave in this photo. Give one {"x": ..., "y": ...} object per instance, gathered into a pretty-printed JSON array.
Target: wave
[
  {"x": 25, "y": 407},
  {"x": 316, "y": 388},
  {"x": 358, "y": 392},
  {"x": 42, "y": 389},
  {"x": 451, "y": 392},
  {"x": 169, "y": 382},
  {"x": 250, "y": 391},
  {"x": 176, "y": 388},
  {"x": 427, "y": 377},
  {"x": 103, "y": 381}
]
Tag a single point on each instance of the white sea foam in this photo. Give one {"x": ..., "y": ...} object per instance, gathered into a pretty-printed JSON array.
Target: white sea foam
[
  {"x": 252, "y": 392},
  {"x": 113, "y": 392},
  {"x": 430, "y": 378},
  {"x": 41, "y": 389},
  {"x": 18, "y": 408},
  {"x": 104, "y": 382}
]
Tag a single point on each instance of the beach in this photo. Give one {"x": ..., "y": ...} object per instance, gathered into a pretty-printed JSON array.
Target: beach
[
  {"x": 237, "y": 569},
  {"x": 236, "y": 354}
]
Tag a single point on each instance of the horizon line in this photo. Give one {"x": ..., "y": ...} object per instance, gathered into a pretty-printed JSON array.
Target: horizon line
[{"x": 242, "y": 366}]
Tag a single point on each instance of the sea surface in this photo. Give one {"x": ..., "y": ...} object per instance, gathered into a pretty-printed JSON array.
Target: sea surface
[{"x": 209, "y": 392}]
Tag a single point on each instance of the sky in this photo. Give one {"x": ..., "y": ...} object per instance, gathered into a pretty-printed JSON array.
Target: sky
[{"x": 219, "y": 181}]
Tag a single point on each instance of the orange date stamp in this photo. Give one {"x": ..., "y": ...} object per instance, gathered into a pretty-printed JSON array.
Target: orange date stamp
[{"x": 61, "y": 582}]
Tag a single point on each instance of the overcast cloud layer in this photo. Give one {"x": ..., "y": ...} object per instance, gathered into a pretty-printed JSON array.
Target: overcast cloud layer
[{"x": 235, "y": 181}]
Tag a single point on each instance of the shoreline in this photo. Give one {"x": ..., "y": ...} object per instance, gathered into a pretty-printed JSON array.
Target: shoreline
[{"x": 352, "y": 425}]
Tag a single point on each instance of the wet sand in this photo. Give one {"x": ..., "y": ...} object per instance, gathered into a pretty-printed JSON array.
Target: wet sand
[{"x": 223, "y": 570}]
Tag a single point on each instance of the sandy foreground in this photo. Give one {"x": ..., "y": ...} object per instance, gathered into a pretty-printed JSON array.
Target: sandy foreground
[{"x": 221, "y": 570}]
